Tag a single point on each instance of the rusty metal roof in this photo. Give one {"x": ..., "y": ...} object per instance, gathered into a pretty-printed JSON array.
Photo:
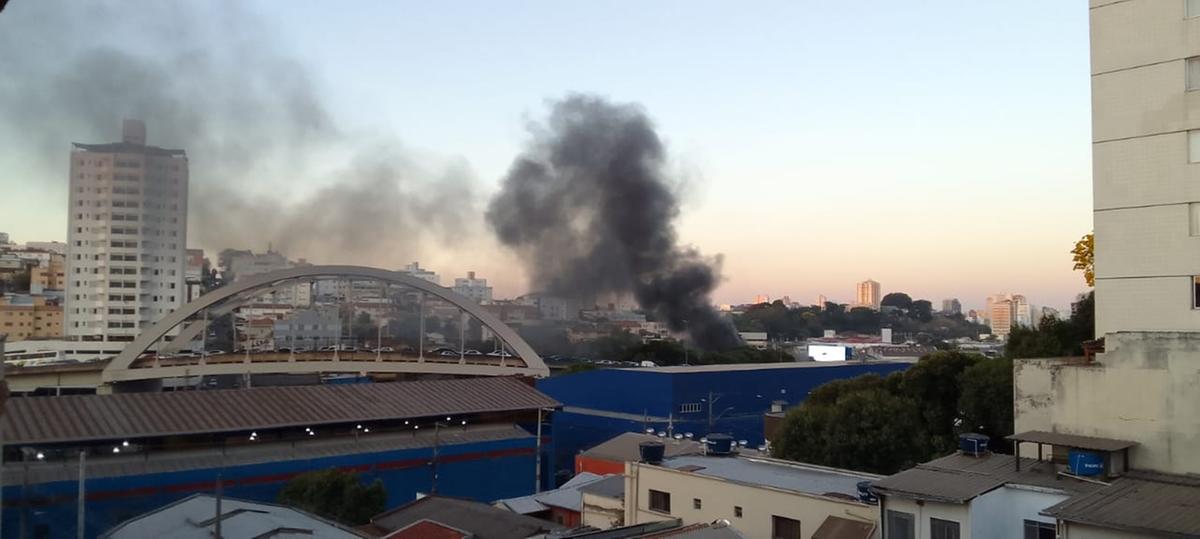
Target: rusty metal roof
[
  {"x": 1140, "y": 502},
  {"x": 1071, "y": 440},
  {"x": 83, "y": 418},
  {"x": 958, "y": 478}
]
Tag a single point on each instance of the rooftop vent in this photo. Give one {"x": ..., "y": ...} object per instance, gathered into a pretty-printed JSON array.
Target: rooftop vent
[
  {"x": 719, "y": 444},
  {"x": 652, "y": 452}
]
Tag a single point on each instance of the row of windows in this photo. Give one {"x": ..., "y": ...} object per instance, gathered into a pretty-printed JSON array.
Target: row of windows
[
  {"x": 117, "y": 310},
  {"x": 689, "y": 407},
  {"x": 129, "y": 231},
  {"x": 114, "y": 325},
  {"x": 122, "y": 271},
  {"x": 781, "y": 527},
  {"x": 125, "y": 217}
]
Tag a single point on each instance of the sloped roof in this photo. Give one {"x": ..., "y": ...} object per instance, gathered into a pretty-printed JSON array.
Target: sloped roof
[
  {"x": 82, "y": 418},
  {"x": 1139, "y": 502},
  {"x": 479, "y": 519},
  {"x": 194, "y": 517},
  {"x": 958, "y": 478},
  {"x": 626, "y": 447},
  {"x": 567, "y": 496}
]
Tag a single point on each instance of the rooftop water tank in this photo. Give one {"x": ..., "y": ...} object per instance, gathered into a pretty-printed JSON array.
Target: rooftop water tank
[
  {"x": 1085, "y": 463},
  {"x": 652, "y": 452},
  {"x": 973, "y": 444},
  {"x": 720, "y": 444},
  {"x": 864, "y": 493}
]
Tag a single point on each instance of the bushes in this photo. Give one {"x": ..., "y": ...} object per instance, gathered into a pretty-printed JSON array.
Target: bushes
[{"x": 336, "y": 495}]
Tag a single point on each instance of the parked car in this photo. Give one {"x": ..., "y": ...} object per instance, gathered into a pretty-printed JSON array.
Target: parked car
[
  {"x": 472, "y": 352},
  {"x": 386, "y": 349},
  {"x": 448, "y": 353},
  {"x": 500, "y": 353}
]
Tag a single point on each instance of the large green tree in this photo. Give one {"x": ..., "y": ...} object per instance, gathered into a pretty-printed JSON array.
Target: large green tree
[
  {"x": 336, "y": 495},
  {"x": 986, "y": 399}
]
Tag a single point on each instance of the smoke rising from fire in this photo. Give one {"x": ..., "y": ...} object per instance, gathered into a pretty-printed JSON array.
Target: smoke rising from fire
[
  {"x": 269, "y": 163},
  {"x": 590, "y": 206}
]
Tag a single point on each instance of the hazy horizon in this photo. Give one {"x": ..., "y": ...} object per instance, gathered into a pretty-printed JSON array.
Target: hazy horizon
[{"x": 814, "y": 148}]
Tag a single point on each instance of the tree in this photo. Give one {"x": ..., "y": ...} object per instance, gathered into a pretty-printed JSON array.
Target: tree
[
  {"x": 868, "y": 429},
  {"x": 335, "y": 494},
  {"x": 1084, "y": 256},
  {"x": 897, "y": 299},
  {"x": 933, "y": 384},
  {"x": 1054, "y": 337},
  {"x": 922, "y": 310},
  {"x": 986, "y": 400}
]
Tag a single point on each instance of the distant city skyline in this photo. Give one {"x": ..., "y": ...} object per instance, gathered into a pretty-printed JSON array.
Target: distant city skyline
[{"x": 763, "y": 126}]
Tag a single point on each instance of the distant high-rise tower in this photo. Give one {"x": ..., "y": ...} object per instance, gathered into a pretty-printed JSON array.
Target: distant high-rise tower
[
  {"x": 1007, "y": 310},
  {"x": 868, "y": 294},
  {"x": 951, "y": 306},
  {"x": 127, "y": 236},
  {"x": 821, "y": 301}
]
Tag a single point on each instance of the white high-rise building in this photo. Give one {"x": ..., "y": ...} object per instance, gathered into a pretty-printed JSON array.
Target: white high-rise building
[
  {"x": 1145, "y": 74},
  {"x": 476, "y": 289},
  {"x": 127, "y": 236},
  {"x": 867, "y": 294}
]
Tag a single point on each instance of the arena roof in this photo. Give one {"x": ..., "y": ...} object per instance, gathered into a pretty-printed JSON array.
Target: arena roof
[{"x": 84, "y": 418}]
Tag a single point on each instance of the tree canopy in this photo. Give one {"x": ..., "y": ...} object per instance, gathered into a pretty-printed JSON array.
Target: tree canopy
[
  {"x": 1054, "y": 337},
  {"x": 885, "y": 424},
  {"x": 916, "y": 317},
  {"x": 336, "y": 495},
  {"x": 897, "y": 299}
]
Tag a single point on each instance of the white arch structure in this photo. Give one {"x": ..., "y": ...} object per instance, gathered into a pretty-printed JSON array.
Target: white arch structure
[{"x": 122, "y": 367}]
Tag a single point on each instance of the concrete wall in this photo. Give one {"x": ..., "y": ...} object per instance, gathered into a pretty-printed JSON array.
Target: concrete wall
[
  {"x": 1003, "y": 512},
  {"x": 927, "y": 510},
  {"x": 719, "y": 497},
  {"x": 603, "y": 512},
  {"x": 1145, "y": 388}
]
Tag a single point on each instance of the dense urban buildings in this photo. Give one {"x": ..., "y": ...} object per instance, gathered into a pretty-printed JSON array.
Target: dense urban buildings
[
  {"x": 867, "y": 294},
  {"x": 127, "y": 236},
  {"x": 1007, "y": 310},
  {"x": 476, "y": 289},
  {"x": 951, "y": 306}
]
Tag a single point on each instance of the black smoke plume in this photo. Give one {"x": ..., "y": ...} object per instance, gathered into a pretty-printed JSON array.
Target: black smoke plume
[{"x": 591, "y": 207}]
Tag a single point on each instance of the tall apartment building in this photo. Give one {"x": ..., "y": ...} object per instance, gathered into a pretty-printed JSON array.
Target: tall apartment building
[
  {"x": 239, "y": 265},
  {"x": 951, "y": 306},
  {"x": 476, "y": 289},
  {"x": 1146, "y": 163},
  {"x": 126, "y": 237},
  {"x": 1007, "y": 310},
  {"x": 867, "y": 294}
]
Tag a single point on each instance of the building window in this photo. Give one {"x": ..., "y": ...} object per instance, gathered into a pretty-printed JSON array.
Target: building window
[
  {"x": 696, "y": 503},
  {"x": 660, "y": 501},
  {"x": 737, "y": 511},
  {"x": 1193, "y": 73},
  {"x": 942, "y": 529},
  {"x": 1192, "y": 8},
  {"x": 1040, "y": 530},
  {"x": 1196, "y": 292},
  {"x": 784, "y": 528},
  {"x": 900, "y": 525},
  {"x": 689, "y": 407}
]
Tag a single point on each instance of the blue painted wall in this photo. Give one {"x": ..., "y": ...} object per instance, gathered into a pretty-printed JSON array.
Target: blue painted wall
[
  {"x": 483, "y": 471},
  {"x": 741, "y": 399}
]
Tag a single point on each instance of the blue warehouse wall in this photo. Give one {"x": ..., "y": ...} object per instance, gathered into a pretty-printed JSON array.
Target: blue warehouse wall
[
  {"x": 483, "y": 471},
  {"x": 740, "y": 398}
]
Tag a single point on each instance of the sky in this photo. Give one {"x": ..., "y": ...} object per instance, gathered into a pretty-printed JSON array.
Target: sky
[{"x": 941, "y": 148}]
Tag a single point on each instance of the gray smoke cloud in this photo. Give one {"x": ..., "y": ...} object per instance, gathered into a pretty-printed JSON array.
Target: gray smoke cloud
[
  {"x": 591, "y": 207},
  {"x": 213, "y": 80}
]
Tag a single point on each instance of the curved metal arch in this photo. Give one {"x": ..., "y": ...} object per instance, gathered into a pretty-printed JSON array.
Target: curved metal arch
[{"x": 130, "y": 353}]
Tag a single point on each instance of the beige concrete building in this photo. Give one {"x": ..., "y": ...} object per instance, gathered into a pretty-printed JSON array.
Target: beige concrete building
[
  {"x": 1006, "y": 311},
  {"x": 127, "y": 236},
  {"x": 34, "y": 320},
  {"x": 760, "y": 497},
  {"x": 48, "y": 275},
  {"x": 1146, "y": 163},
  {"x": 868, "y": 294}
]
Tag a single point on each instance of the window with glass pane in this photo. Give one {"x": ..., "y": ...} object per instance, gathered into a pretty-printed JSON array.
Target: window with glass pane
[
  {"x": 942, "y": 529},
  {"x": 1039, "y": 530},
  {"x": 1193, "y": 73},
  {"x": 900, "y": 525},
  {"x": 1192, "y": 9}
]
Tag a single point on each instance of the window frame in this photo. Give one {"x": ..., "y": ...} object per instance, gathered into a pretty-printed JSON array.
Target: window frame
[
  {"x": 775, "y": 531},
  {"x": 935, "y": 533},
  {"x": 1189, "y": 64},
  {"x": 1037, "y": 526},
  {"x": 1191, "y": 9},
  {"x": 653, "y": 496}
]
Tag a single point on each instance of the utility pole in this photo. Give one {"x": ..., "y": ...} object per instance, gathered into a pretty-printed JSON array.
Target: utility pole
[
  {"x": 711, "y": 400},
  {"x": 79, "y": 520},
  {"x": 537, "y": 471},
  {"x": 217, "y": 526},
  {"x": 436, "y": 428}
]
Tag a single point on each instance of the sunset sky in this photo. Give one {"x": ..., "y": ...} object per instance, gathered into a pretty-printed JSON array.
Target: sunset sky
[{"x": 941, "y": 147}]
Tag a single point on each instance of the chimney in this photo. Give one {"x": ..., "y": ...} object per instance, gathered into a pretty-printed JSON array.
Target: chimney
[{"x": 133, "y": 132}]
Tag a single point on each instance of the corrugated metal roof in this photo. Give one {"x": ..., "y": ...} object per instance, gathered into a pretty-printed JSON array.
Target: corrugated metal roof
[
  {"x": 958, "y": 478},
  {"x": 1140, "y": 502},
  {"x": 81, "y": 418},
  {"x": 627, "y": 447},
  {"x": 843, "y": 528},
  {"x": 193, "y": 517},
  {"x": 1072, "y": 440}
]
